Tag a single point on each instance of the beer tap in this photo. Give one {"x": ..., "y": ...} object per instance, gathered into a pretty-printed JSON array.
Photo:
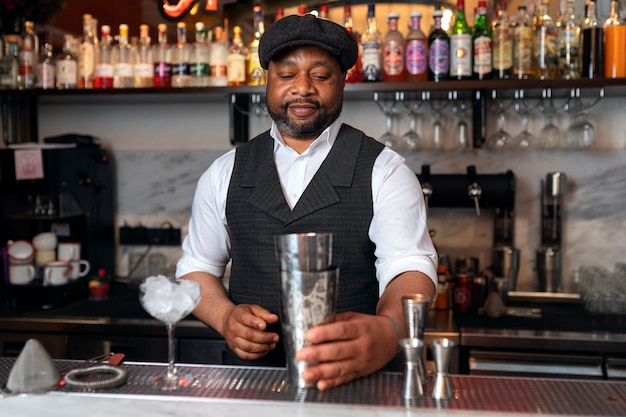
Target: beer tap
[
  {"x": 427, "y": 188},
  {"x": 474, "y": 190}
]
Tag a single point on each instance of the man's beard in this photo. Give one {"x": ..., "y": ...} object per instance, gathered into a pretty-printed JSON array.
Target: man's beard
[{"x": 310, "y": 129}]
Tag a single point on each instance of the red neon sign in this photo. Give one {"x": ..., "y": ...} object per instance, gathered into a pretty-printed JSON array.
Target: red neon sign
[{"x": 175, "y": 10}]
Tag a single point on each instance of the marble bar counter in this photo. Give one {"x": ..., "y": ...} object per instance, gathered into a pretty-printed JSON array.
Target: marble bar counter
[{"x": 265, "y": 392}]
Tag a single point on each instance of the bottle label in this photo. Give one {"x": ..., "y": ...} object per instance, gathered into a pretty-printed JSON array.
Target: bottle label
[
  {"x": 86, "y": 60},
  {"x": 482, "y": 55},
  {"x": 439, "y": 56},
  {"x": 123, "y": 70},
  {"x": 180, "y": 69},
  {"x": 416, "y": 53},
  {"x": 67, "y": 72},
  {"x": 461, "y": 55},
  {"x": 218, "y": 70},
  {"x": 393, "y": 61},
  {"x": 104, "y": 70},
  {"x": 523, "y": 50},
  {"x": 502, "y": 49},
  {"x": 370, "y": 60},
  {"x": 45, "y": 75},
  {"x": 143, "y": 70},
  {"x": 199, "y": 69},
  {"x": 236, "y": 68},
  {"x": 162, "y": 69}
]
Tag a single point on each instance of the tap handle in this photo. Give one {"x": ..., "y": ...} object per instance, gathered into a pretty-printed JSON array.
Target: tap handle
[
  {"x": 474, "y": 190},
  {"x": 427, "y": 188}
]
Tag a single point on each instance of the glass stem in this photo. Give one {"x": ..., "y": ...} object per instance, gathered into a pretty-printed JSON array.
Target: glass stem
[{"x": 171, "y": 351}]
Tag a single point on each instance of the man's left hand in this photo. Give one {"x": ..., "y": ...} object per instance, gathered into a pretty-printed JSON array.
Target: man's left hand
[{"x": 352, "y": 346}]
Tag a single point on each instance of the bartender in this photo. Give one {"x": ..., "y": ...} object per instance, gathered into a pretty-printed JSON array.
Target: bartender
[{"x": 309, "y": 173}]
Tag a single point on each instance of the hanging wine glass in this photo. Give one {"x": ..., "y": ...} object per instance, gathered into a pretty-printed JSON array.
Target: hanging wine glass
[
  {"x": 461, "y": 139},
  {"x": 524, "y": 139},
  {"x": 169, "y": 301},
  {"x": 437, "y": 140},
  {"x": 388, "y": 107},
  {"x": 500, "y": 139},
  {"x": 412, "y": 140},
  {"x": 550, "y": 135},
  {"x": 581, "y": 132}
]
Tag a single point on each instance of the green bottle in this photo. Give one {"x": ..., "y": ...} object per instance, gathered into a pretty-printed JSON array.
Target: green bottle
[
  {"x": 460, "y": 46},
  {"x": 482, "y": 44}
]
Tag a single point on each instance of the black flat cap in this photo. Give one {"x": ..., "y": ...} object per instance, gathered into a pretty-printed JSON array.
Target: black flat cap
[{"x": 295, "y": 30}]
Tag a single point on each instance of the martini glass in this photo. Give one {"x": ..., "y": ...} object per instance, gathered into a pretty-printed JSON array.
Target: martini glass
[{"x": 169, "y": 301}]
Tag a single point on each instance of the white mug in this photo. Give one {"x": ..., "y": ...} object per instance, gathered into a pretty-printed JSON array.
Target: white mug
[
  {"x": 80, "y": 268},
  {"x": 68, "y": 250},
  {"x": 20, "y": 252},
  {"x": 21, "y": 274},
  {"x": 56, "y": 273}
]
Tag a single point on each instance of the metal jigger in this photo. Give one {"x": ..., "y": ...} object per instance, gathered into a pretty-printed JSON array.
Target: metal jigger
[
  {"x": 415, "y": 307},
  {"x": 412, "y": 388},
  {"x": 441, "y": 349}
]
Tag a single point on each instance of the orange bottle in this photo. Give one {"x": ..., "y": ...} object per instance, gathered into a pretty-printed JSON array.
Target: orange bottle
[{"x": 614, "y": 44}]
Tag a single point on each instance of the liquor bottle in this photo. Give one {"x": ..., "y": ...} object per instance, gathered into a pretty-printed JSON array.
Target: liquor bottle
[
  {"x": 370, "y": 48},
  {"x": 460, "y": 45},
  {"x": 569, "y": 43},
  {"x": 522, "y": 45},
  {"x": 123, "y": 60},
  {"x": 502, "y": 44},
  {"x": 236, "y": 63},
  {"x": 614, "y": 44},
  {"x": 546, "y": 41},
  {"x": 416, "y": 49},
  {"x": 67, "y": 66},
  {"x": 302, "y": 9},
  {"x": 199, "y": 63},
  {"x": 28, "y": 56},
  {"x": 180, "y": 58},
  {"x": 255, "y": 74},
  {"x": 142, "y": 69},
  {"x": 104, "y": 62},
  {"x": 354, "y": 74},
  {"x": 279, "y": 13},
  {"x": 219, "y": 58},
  {"x": 87, "y": 54},
  {"x": 162, "y": 72},
  {"x": 325, "y": 12},
  {"x": 393, "y": 51},
  {"x": 481, "y": 44},
  {"x": 45, "y": 74},
  {"x": 438, "y": 50},
  {"x": 592, "y": 40},
  {"x": 9, "y": 64}
]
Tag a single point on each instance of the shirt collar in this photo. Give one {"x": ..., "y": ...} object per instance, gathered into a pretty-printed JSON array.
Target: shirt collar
[{"x": 328, "y": 136}]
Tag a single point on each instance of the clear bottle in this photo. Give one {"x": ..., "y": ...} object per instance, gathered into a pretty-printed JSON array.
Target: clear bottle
[
  {"x": 180, "y": 58},
  {"x": 354, "y": 74},
  {"x": 502, "y": 54},
  {"x": 370, "y": 48},
  {"x": 45, "y": 74},
  {"x": 10, "y": 62},
  {"x": 482, "y": 44},
  {"x": 438, "y": 50},
  {"x": 393, "y": 51},
  {"x": 67, "y": 66},
  {"x": 546, "y": 55},
  {"x": 591, "y": 45},
  {"x": 200, "y": 58},
  {"x": 219, "y": 58},
  {"x": 87, "y": 54},
  {"x": 123, "y": 60},
  {"x": 569, "y": 43},
  {"x": 416, "y": 50},
  {"x": 460, "y": 45},
  {"x": 103, "y": 73},
  {"x": 162, "y": 68},
  {"x": 28, "y": 57},
  {"x": 614, "y": 44},
  {"x": 522, "y": 45},
  {"x": 255, "y": 74},
  {"x": 142, "y": 70},
  {"x": 236, "y": 64}
]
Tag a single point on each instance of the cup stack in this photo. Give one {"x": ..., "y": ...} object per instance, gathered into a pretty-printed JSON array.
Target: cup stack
[{"x": 308, "y": 289}]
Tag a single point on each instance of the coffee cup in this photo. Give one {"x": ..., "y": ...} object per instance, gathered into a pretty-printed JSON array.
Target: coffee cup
[
  {"x": 80, "y": 268},
  {"x": 68, "y": 251},
  {"x": 44, "y": 256},
  {"x": 56, "y": 273},
  {"x": 20, "y": 252},
  {"x": 21, "y": 274}
]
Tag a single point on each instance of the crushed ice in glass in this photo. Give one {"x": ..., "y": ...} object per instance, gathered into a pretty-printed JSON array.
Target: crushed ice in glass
[{"x": 168, "y": 300}]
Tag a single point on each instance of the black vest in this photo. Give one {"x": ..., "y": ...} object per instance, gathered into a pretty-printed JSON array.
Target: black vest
[{"x": 338, "y": 200}]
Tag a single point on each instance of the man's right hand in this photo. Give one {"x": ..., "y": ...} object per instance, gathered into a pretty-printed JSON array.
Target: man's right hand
[{"x": 244, "y": 330}]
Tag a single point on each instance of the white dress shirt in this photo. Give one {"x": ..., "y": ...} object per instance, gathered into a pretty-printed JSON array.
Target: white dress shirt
[{"x": 398, "y": 225}]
